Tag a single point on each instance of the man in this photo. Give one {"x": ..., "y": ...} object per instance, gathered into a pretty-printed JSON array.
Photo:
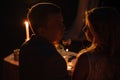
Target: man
[{"x": 38, "y": 58}]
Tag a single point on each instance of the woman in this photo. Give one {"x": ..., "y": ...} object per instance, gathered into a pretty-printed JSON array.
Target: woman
[{"x": 100, "y": 61}]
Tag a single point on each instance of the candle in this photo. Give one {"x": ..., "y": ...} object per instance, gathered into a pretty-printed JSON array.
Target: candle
[{"x": 27, "y": 31}]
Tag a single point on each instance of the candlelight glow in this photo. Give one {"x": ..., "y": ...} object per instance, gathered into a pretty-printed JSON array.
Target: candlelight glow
[
  {"x": 27, "y": 31},
  {"x": 69, "y": 66},
  {"x": 67, "y": 50}
]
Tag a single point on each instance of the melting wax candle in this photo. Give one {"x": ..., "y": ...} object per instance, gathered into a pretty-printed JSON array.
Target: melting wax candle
[{"x": 27, "y": 31}]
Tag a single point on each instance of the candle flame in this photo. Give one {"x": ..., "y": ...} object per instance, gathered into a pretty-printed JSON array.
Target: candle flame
[
  {"x": 26, "y": 23},
  {"x": 27, "y": 31},
  {"x": 67, "y": 50}
]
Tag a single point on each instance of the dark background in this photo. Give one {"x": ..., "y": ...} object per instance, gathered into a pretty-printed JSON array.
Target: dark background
[
  {"x": 13, "y": 14},
  {"x": 12, "y": 17}
]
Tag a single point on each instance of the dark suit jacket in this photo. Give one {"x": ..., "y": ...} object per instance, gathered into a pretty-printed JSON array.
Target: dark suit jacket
[{"x": 39, "y": 60}]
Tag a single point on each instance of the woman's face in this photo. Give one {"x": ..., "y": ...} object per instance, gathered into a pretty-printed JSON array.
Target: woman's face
[{"x": 87, "y": 31}]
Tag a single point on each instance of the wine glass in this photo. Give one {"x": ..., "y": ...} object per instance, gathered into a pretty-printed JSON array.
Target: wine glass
[{"x": 66, "y": 43}]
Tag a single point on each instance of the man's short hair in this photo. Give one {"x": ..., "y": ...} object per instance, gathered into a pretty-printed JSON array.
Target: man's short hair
[{"x": 38, "y": 14}]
